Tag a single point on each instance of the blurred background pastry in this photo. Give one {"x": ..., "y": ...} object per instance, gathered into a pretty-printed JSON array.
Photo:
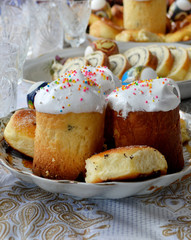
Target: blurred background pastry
[{"x": 149, "y": 15}]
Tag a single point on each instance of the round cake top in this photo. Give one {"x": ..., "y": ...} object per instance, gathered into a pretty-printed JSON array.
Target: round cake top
[
  {"x": 102, "y": 76},
  {"x": 152, "y": 95},
  {"x": 74, "y": 92}
]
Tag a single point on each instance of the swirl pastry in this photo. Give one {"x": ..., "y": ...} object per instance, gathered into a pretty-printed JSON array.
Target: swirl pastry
[
  {"x": 141, "y": 56},
  {"x": 165, "y": 59},
  {"x": 70, "y": 64},
  {"x": 125, "y": 163},
  {"x": 97, "y": 58},
  {"x": 107, "y": 46},
  {"x": 147, "y": 113},
  {"x": 181, "y": 63},
  {"x": 70, "y": 116},
  {"x": 118, "y": 64}
]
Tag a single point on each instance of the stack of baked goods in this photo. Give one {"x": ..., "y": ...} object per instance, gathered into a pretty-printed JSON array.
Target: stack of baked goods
[
  {"x": 101, "y": 52},
  {"x": 76, "y": 114},
  {"x": 168, "y": 61},
  {"x": 143, "y": 21}
]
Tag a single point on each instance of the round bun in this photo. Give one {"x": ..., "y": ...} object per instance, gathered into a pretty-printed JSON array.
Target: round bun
[{"x": 20, "y": 131}]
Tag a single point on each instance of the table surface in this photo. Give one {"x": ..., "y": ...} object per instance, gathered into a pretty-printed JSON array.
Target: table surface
[{"x": 28, "y": 212}]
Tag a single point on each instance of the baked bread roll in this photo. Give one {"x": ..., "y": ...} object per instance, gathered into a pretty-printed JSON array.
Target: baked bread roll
[
  {"x": 141, "y": 56},
  {"x": 20, "y": 131},
  {"x": 104, "y": 29},
  {"x": 118, "y": 64},
  {"x": 165, "y": 59},
  {"x": 71, "y": 112},
  {"x": 180, "y": 65},
  {"x": 150, "y": 15},
  {"x": 97, "y": 58},
  {"x": 147, "y": 113},
  {"x": 125, "y": 163},
  {"x": 139, "y": 36}
]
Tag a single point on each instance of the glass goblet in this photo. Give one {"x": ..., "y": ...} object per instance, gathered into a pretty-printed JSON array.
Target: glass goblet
[{"x": 76, "y": 15}]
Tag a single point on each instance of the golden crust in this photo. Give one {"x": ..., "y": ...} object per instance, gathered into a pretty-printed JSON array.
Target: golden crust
[
  {"x": 125, "y": 163},
  {"x": 64, "y": 141},
  {"x": 104, "y": 29},
  {"x": 160, "y": 130},
  {"x": 20, "y": 131}
]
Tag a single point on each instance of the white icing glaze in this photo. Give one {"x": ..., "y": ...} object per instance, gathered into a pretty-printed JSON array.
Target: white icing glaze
[
  {"x": 75, "y": 92},
  {"x": 97, "y": 4},
  {"x": 149, "y": 95},
  {"x": 103, "y": 77}
]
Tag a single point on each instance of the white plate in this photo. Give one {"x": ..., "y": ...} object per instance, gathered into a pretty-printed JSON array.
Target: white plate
[
  {"x": 112, "y": 190},
  {"x": 38, "y": 69}
]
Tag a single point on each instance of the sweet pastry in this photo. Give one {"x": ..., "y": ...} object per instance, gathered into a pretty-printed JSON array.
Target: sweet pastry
[
  {"x": 70, "y": 64},
  {"x": 20, "y": 131},
  {"x": 117, "y": 15},
  {"x": 181, "y": 63},
  {"x": 107, "y": 46},
  {"x": 141, "y": 56},
  {"x": 149, "y": 15},
  {"x": 139, "y": 36},
  {"x": 97, "y": 58},
  {"x": 147, "y": 113},
  {"x": 165, "y": 59},
  {"x": 70, "y": 112},
  {"x": 118, "y": 64},
  {"x": 104, "y": 28},
  {"x": 125, "y": 163}
]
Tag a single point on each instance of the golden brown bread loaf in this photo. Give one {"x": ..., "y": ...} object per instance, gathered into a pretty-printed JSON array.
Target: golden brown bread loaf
[
  {"x": 70, "y": 139},
  {"x": 125, "y": 163},
  {"x": 147, "y": 113},
  {"x": 20, "y": 131},
  {"x": 150, "y": 15},
  {"x": 70, "y": 117},
  {"x": 160, "y": 130}
]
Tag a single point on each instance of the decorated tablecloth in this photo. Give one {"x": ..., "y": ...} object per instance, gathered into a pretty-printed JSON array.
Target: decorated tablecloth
[{"x": 28, "y": 212}]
